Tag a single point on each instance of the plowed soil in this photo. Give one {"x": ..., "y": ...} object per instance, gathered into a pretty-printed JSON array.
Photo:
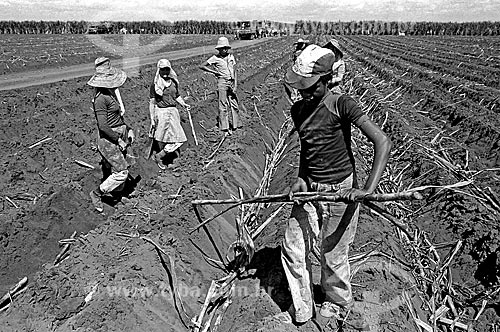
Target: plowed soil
[{"x": 114, "y": 283}]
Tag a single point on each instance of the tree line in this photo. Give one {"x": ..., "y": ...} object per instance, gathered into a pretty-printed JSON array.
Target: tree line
[
  {"x": 140, "y": 27},
  {"x": 221, "y": 27},
  {"x": 486, "y": 28}
]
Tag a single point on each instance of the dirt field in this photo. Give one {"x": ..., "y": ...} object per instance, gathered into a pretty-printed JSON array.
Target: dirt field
[{"x": 439, "y": 104}]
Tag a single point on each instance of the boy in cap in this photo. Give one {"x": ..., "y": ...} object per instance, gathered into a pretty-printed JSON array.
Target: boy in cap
[
  {"x": 222, "y": 66},
  {"x": 323, "y": 121}
]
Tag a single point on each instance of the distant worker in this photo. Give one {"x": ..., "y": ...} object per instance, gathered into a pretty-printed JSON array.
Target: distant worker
[
  {"x": 338, "y": 69},
  {"x": 222, "y": 66},
  {"x": 299, "y": 46},
  {"x": 166, "y": 129},
  {"x": 114, "y": 135},
  {"x": 323, "y": 121}
]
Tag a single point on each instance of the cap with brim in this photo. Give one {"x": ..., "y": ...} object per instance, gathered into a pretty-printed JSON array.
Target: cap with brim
[
  {"x": 333, "y": 43},
  {"x": 106, "y": 76},
  {"x": 311, "y": 64}
]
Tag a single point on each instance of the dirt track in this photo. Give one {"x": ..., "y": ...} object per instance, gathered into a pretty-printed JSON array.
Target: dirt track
[
  {"x": 111, "y": 283},
  {"x": 45, "y": 76}
]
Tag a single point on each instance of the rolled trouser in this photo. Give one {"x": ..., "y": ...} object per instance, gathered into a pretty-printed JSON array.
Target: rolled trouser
[
  {"x": 300, "y": 236},
  {"x": 114, "y": 157},
  {"x": 338, "y": 225},
  {"x": 339, "y": 222},
  {"x": 228, "y": 105},
  {"x": 114, "y": 181}
]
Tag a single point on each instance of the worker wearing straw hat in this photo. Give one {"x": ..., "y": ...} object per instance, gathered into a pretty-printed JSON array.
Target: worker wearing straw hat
[
  {"x": 114, "y": 135},
  {"x": 222, "y": 66},
  {"x": 323, "y": 122},
  {"x": 338, "y": 67},
  {"x": 166, "y": 129}
]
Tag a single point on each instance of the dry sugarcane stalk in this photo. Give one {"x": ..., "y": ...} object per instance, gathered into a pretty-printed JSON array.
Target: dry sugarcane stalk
[
  {"x": 442, "y": 310},
  {"x": 453, "y": 323},
  {"x": 224, "y": 292},
  {"x": 64, "y": 250},
  {"x": 455, "y": 250},
  {"x": 177, "y": 194},
  {"x": 198, "y": 216},
  {"x": 11, "y": 202},
  {"x": 364, "y": 256},
  {"x": 175, "y": 289},
  {"x": 302, "y": 198},
  {"x": 226, "y": 304},
  {"x": 385, "y": 214},
  {"x": 84, "y": 164},
  {"x": 6, "y": 300},
  {"x": 218, "y": 147},
  {"x": 43, "y": 140},
  {"x": 418, "y": 322},
  {"x": 483, "y": 306},
  {"x": 493, "y": 195},
  {"x": 192, "y": 127},
  {"x": 257, "y": 232},
  {"x": 312, "y": 196},
  {"x": 197, "y": 321}
]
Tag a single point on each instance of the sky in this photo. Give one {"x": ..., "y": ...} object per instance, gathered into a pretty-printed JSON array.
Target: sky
[{"x": 235, "y": 10}]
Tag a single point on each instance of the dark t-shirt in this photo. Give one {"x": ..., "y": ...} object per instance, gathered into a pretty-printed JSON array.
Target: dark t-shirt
[
  {"x": 108, "y": 115},
  {"x": 325, "y": 137},
  {"x": 170, "y": 93}
]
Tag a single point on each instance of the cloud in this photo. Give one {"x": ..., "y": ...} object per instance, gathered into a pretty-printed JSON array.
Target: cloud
[{"x": 229, "y": 10}]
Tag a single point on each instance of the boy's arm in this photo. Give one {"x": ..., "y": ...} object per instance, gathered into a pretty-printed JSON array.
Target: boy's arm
[
  {"x": 205, "y": 66},
  {"x": 382, "y": 148},
  {"x": 300, "y": 184}
]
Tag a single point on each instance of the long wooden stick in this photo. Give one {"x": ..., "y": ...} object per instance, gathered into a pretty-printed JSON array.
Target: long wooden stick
[
  {"x": 312, "y": 196},
  {"x": 192, "y": 127},
  {"x": 301, "y": 198}
]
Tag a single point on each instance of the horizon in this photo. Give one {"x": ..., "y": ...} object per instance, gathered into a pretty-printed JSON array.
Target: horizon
[
  {"x": 361, "y": 20},
  {"x": 287, "y": 11}
]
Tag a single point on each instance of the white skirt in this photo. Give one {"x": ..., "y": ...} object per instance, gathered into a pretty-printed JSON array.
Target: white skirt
[{"x": 169, "y": 129}]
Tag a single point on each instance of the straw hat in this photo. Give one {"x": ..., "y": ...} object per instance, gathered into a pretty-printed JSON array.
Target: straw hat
[
  {"x": 106, "y": 76},
  {"x": 334, "y": 45},
  {"x": 222, "y": 42}
]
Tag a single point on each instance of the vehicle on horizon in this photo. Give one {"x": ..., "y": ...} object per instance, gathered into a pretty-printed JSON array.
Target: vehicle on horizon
[
  {"x": 100, "y": 28},
  {"x": 246, "y": 30}
]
